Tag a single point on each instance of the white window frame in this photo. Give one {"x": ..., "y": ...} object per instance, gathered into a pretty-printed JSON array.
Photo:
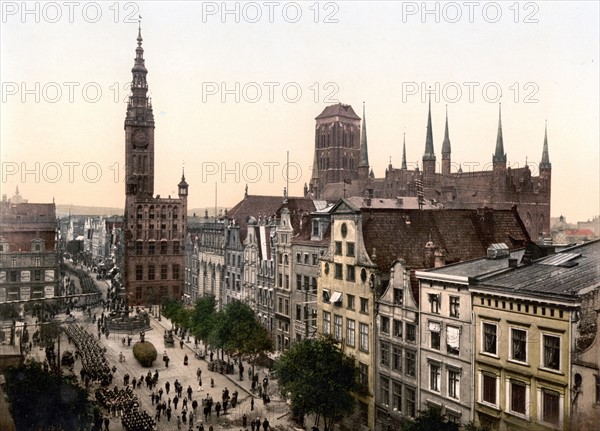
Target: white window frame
[
  {"x": 481, "y": 400},
  {"x": 511, "y": 351},
  {"x": 483, "y": 351},
  {"x": 561, "y": 404},
  {"x": 509, "y": 398},
  {"x": 439, "y": 377},
  {"x": 542, "y": 356},
  {"x": 326, "y": 323},
  {"x": 351, "y": 340},
  {"x": 459, "y": 374}
]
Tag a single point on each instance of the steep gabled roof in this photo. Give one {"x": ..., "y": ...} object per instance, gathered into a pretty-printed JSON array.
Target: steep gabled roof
[{"x": 462, "y": 234}]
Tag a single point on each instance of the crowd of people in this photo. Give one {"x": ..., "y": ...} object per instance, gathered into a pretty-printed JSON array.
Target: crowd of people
[{"x": 94, "y": 365}]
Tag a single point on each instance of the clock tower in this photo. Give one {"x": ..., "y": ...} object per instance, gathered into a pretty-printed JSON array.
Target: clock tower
[
  {"x": 139, "y": 132},
  {"x": 155, "y": 227}
]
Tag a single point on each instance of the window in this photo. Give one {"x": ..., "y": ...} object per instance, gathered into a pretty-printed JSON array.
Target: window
[
  {"x": 139, "y": 247},
  {"x": 411, "y": 332},
  {"x": 326, "y": 322},
  {"x": 434, "y": 330},
  {"x": 314, "y": 283},
  {"x": 410, "y": 358},
  {"x": 454, "y": 306},
  {"x": 384, "y": 357},
  {"x": 338, "y": 248},
  {"x": 518, "y": 345},
  {"x": 163, "y": 271},
  {"x": 350, "y": 249},
  {"x": 315, "y": 259},
  {"x": 488, "y": 393},
  {"x": 287, "y": 281},
  {"x": 351, "y": 299},
  {"x": 551, "y": 352},
  {"x": 518, "y": 397},
  {"x": 151, "y": 272},
  {"x": 453, "y": 384},
  {"x": 434, "y": 377},
  {"x": 315, "y": 228},
  {"x": 298, "y": 282},
  {"x": 306, "y": 258},
  {"x": 364, "y": 305},
  {"x": 139, "y": 272},
  {"x": 175, "y": 271},
  {"x": 363, "y": 375},
  {"x": 364, "y": 337},
  {"x": 298, "y": 312},
  {"x": 396, "y": 396},
  {"x": 489, "y": 338},
  {"x": 411, "y": 401},
  {"x": 398, "y": 296},
  {"x": 550, "y": 406},
  {"x": 344, "y": 230},
  {"x": 138, "y": 292},
  {"x": 434, "y": 301},
  {"x": 338, "y": 271},
  {"x": 163, "y": 247},
  {"x": 385, "y": 324},
  {"x": 306, "y": 282},
  {"x": 397, "y": 328},
  {"x": 298, "y": 258},
  {"x": 396, "y": 358},
  {"x": 384, "y": 392},
  {"x": 351, "y": 273},
  {"x": 151, "y": 247},
  {"x": 350, "y": 332},
  {"x": 452, "y": 340},
  {"x": 280, "y": 304},
  {"x": 175, "y": 247},
  {"x": 337, "y": 327},
  {"x": 37, "y": 275}
]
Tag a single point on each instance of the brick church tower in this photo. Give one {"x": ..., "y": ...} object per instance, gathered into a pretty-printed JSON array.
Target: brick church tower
[{"x": 155, "y": 226}]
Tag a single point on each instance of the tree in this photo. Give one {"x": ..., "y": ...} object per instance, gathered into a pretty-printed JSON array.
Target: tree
[
  {"x": 430, "y": 419},
  {"x": 318, "y": 378},
  {"x": 41, "y": 400},
  {"x": 232, "y": 326},
  {"x": 202, "y": 317},
  {"x": 256, "y": 340},
  {"x": 145, "y": 353}
]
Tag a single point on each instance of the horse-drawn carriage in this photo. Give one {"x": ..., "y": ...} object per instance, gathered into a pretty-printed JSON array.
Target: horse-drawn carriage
[{"x": 169, "y": 340}]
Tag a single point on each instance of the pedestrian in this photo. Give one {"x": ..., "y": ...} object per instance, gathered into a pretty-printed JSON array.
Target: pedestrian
[
  {"x": 225, "y": 406},
  {"x": 185, "y": 359},
  {"x": 265, "y": 425},
  {"x": 189, "y": 392},
  {"x": 218, "y": 408},
  {"x": 168, "y": 387},
  {"x": 169, "y": 413},
  {"x": 252, "y": 424},
  {"x": 181, "y": 343},
  {"x": 175, "y": 401},
  {"x": 212, "y": 382},
  {"x": 244, "y": 421},
  {"x": 106, "y": 423},
  {"x": 194, "y": 405},
  {"x": 252, "y": 404}
]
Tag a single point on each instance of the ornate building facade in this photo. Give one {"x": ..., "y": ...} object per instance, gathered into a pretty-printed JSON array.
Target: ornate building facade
[{"x": 155, "y": 226}]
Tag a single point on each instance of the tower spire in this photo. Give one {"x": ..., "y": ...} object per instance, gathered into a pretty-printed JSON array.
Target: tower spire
[
  {"x": 429, "y": 152},
  {"x": 364, "y": 152},
  {"x": 403, "y": 152},
  {"x": 499, "y": 156},
  {"x": 545, "y": 163},
  {"x": 446, "y": 150}
]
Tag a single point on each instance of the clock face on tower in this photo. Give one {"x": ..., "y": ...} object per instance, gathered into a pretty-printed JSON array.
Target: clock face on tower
[{"x": 139, "y": 138}]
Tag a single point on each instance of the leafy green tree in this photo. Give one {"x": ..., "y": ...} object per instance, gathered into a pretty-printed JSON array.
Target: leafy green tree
[
  {"x": 319, "y": 379},
  {"x": 49, "y": 332},
  {"x": 42, "y": 400},
  {"x": 430, "y": 419},
  {"x": 231, "y": 327},
  {"x": 256, "y": 340},
  {"x": 202, "y": 317}
]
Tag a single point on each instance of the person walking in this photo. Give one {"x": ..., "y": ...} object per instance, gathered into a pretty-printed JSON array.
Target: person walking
[
  {"x": 265, "y": 425},
  {"x": 218, "y": 408}
]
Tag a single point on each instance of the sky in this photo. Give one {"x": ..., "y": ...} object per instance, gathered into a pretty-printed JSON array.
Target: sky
[{"x": 236, "y": 86}]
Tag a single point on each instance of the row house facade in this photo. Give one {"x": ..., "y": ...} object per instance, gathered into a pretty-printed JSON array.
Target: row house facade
[
  {"x": 526, "y": 352},
  {"x": 211, "y": 261},
  {"x": 29, "y": 263},
  {"x": 368, "y": 237},
  {"x": 534, "y": 343}
]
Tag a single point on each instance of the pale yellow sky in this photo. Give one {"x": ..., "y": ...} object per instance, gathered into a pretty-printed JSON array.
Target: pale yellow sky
[{"x": 230, "y": 98}]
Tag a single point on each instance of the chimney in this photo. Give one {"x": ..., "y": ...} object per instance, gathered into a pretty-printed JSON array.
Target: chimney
[
  {"x": 512, "y": 262},
  {"x": 369, "y": 196},
  {"x": 399, "y": 202},
  {"x": 439, "y": 258}
]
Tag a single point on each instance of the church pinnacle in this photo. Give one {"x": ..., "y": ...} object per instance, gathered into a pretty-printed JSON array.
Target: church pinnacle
[
  {"x": 364, "y": 151},
  {"x": 403, "y": 152},
  {"x": 545, "y": 163},
  {"x": 499, "y": 156},
  {"x": 446, "y": 150},
  {"x": 429, "y": 152}
]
